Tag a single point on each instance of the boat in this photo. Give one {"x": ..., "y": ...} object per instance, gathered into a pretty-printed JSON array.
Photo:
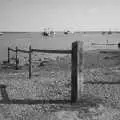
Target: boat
[{"x": 48, "y": 32}]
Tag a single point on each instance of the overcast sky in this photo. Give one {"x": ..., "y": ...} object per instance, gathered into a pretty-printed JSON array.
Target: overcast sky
[{"x": 34, "y": 15}]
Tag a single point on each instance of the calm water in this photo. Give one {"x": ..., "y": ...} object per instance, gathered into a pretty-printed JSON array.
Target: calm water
[{"x": 59, "y": 41}]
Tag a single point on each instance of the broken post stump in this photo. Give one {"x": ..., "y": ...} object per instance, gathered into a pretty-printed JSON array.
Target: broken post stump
[{"x": 4, "y": 92}]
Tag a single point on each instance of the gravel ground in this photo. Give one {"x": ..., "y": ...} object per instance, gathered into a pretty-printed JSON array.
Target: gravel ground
[{"x": 101, "y": 101}]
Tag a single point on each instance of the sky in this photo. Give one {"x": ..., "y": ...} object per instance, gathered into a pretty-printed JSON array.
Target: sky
[{"x": 35, "y": 15}]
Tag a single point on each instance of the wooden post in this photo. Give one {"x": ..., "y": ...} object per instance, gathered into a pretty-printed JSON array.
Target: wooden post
[
  {"x": 76, "y": 75},
  {"x": 8, "y": 55},
  {"x": 30, "y": 67},
  {"x": 4, "y": 92},
  {"x": 16, "y": 58}
]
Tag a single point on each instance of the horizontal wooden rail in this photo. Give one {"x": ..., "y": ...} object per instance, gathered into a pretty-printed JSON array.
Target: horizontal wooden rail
[
  {"x": 19, "y": 50},
  {"x": 53, "y": 51},
  {"x": 103, "y": 44},
  {"x": 24, "y": 51},
  {"x": 30, "y": 101},
  {"x": 101, "y": 82},
  {"x": 44, "y": 51},
  {"x": 12, "y": 49}
]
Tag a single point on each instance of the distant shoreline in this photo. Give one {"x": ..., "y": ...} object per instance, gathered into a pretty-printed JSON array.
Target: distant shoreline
[{"x": 76, "y": 31}]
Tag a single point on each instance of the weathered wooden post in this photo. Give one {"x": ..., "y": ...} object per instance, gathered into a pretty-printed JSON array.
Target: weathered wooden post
[
  {"x": 8, "y": 55},
  {"x": 16, "y": 60},
  {"x": 4, "y": 94},
  {"x": 30, "y": 67},
  {"x": 76, "y": 75}
]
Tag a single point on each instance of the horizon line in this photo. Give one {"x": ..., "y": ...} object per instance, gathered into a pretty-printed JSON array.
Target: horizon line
[{"x": 25, "y": 31}]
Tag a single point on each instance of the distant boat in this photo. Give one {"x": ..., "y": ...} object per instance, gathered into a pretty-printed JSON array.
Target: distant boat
[
  {"x": 48, "y": 32},
  {"x": 45, "y": 33},
  {"x": 52, "y": 32},
  {"x": 67, "y": 32}
]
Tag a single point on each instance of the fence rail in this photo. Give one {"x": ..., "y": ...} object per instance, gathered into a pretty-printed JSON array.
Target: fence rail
[
  {"x": 19, "y": 50},
  {"x": 11, "y": 49},
  {"x": 103, "y": 44},
  {"x": 44, "y": 51},
  {"x": 53, "y": 51},
  {"x": 30, "y": 101},
  {"x": 23, "y": 51},
  {"x": 101, "y": 82}
]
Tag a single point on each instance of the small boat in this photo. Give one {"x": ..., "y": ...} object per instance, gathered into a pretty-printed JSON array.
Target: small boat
[
  {"x": 45, "y": 33},
  {"x": 48, "y": 32},
  {"x": 52, "y": 32},
  {"x": 66, "y": 32}
]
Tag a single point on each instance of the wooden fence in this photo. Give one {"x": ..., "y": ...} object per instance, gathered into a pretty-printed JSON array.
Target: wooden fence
[
  {"x": 77, "y": 82},
  {"x": 76, "y": 59}
]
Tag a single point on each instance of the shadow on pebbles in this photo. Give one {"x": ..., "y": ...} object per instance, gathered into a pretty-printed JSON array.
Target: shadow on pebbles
[
  {"x": 101, "y": 113},
  {"x": 87, "y": 109}
]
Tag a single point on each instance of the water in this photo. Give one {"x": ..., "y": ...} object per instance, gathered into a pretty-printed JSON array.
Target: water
[{"x": 59, "y": 41}]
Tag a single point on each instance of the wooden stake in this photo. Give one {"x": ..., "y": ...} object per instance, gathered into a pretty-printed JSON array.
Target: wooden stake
[
  {"x": 8, "y": 55},
  {"x": 30, "y": 67},
  {"x": 76, "y": 75},
  {"x": 16, "y": 58}
]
